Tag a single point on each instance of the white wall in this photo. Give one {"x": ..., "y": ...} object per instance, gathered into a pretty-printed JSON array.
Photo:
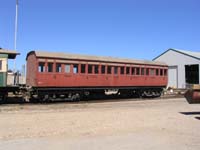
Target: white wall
[
  {"x": 173, "y": 58},
  {"x": 4, "y": 65}
]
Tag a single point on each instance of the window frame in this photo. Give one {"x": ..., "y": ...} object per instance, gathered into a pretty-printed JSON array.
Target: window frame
[
  {"x": 157, "y": 72},
  {"x": 142, "y": 71},
  {"x": 127, "y": 70},
  {"x": 138, "y": 70},
  {"x": 116, "y": 70},
  {"x": 165, "y": 72},
  {"x": 90, "y": 70},
  {"x": 52, "y": 70},
  {"x": 58, "y": 68},
  {"x": 147, "y": 71},
  {"x": 103, "y": 69},
  {"x": 133, "y": 71},
  {"x": 161, "y": 72},
  {"x": 152, "y": 72},
  {"x": 83, "y": 69},
  {"x": 75, "y": 66},
  {"x": 109, "y": 69},
  {"x": 122, "y": 70},
  {"x": 69, "y": 68},
  {"x": 43, "y": 69},
  {"x": 96, "y": 69}
]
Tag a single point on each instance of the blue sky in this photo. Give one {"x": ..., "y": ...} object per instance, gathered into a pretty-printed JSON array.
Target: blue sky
[{"x": 140, "y": 29}]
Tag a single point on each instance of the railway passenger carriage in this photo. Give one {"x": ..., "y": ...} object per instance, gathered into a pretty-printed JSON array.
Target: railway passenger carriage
[{"x": 59, "y": 75}]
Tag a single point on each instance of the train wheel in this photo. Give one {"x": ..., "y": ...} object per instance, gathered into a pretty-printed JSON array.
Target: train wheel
[
  {"x": 3, "y": 99},
  {"x": 76, "y": 97}
]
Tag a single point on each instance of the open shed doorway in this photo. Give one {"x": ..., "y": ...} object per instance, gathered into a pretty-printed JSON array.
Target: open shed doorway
[{"x": 192, "y": 74}]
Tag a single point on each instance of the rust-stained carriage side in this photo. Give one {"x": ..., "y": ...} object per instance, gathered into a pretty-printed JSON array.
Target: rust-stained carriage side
[{"x": 31, "y": 72}]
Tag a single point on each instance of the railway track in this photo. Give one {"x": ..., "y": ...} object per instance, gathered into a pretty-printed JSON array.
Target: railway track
[{"x": 19, "y": 100}]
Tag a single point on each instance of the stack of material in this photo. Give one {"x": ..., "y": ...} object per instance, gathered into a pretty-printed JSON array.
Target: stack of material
[
  {"x": 193, "y": 95},
  {"x": 13, "y": 79}
]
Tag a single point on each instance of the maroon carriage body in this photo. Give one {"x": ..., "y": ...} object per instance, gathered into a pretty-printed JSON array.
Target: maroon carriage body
[{"x": 47, "y": 69}]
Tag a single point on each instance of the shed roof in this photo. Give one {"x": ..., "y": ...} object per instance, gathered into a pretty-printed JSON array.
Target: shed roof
[
  {"x": 69, "y": 56},
  {"x": 11, "y": 54},
  {"x": 195, "y": 55}
]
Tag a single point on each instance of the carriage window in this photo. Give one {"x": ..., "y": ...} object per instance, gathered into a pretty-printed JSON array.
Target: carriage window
[
  {"x": 41, "y": 67},
  {"x": 58, "y": 67},
  {"x": 115, "y": 70},
  {"x": 165, "y": 72},
  {"x": 127, "y": 70},
  {"x": 137, "y": 71},
  {"x": 147, "y": 71},
  {"x": 50, "y": 67},
  {"x": 103, "y": 69},
  {"x": 96, "y": 69},
  {"x": 142, "y": 71},
  {"x": 133, "y": 71},
  {"x": 161, "y": 72},
  {"x": 157, "y": 72},
  {"x": 89, "y": 68},
  {"x": 109, "y": 70},
  {"x": 75, "y": 68},
  {"x": 82, "y": 68},
  {"x": 152, "y": 72},
  {"x": 67, "y": 68},
  {"x": 121, "y": 70}
]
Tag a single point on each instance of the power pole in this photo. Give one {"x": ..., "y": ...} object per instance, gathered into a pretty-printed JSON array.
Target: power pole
[{"x": 15, "y": 39}]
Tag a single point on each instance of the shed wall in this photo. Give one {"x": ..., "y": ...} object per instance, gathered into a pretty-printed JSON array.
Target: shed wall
[{"x": 172, "y": 58}]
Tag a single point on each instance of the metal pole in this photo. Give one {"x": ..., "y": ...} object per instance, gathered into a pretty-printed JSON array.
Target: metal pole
[{"x": 15, "y": 40}]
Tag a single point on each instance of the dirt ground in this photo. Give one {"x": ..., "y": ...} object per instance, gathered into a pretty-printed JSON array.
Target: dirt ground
[{"x": 167, "y": 124}]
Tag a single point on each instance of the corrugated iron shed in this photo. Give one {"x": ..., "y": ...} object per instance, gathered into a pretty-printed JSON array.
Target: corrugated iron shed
[
  {"x": 184, "y": 52},
  {"x": 184, "y": 67}
]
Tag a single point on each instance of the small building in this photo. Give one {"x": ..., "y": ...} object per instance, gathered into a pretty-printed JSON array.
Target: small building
[{"x": 183, "y": 66}]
